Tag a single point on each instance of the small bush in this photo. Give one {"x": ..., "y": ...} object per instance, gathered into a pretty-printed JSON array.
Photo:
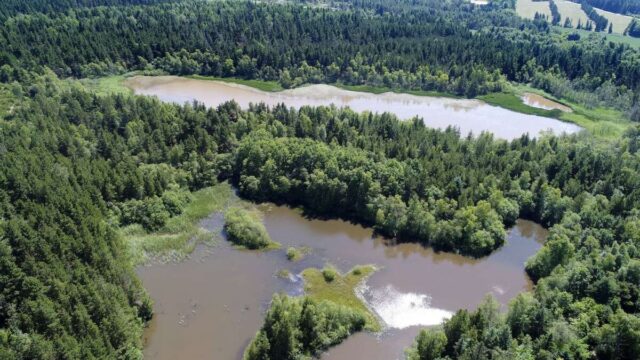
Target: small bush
[
  {"x": 292, "y": 253},
  {"x": 245, "y": 229},
  {"x": 329, "y": 273},
  {"x": 296, "y": 254}
]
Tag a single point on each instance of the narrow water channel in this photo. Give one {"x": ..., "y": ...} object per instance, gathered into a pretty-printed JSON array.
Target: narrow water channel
[
  {"x": 210, "y": 306},
  {"x": 472, "y": 116}
]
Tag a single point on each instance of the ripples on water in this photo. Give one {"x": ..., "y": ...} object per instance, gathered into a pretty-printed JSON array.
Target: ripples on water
[{"x": 401, "y": 310}]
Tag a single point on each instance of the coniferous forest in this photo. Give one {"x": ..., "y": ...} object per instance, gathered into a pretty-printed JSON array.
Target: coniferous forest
[{"x": 76, "y": 165}]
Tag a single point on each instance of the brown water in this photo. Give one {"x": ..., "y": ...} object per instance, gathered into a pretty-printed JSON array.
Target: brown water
[
  {"x": 210, "y": 306},
  {"x": 542, "y": 102},
  {"x": 472, "y": 116}
]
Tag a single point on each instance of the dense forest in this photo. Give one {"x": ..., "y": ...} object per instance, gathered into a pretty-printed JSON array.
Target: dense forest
[
  {"x": 76, "y": 166},
  {"x": 452, "y": 47},
  {"x": 14, "y": 7},
  {"x": 403, "y": 178}
]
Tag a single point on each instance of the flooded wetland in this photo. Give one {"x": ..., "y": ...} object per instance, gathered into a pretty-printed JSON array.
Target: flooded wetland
[{"x": 211, "y": 305}]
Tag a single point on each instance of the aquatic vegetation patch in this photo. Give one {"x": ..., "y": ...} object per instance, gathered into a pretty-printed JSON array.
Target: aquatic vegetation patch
[
  {"x": 245, "y": 228},
  {"x": 341, "y": 289},
  {"x": 180, "y": 234}
]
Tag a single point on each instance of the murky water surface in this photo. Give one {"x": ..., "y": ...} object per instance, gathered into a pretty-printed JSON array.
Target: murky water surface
[
  {"x": 468, "y": 115},
  {"x": 211, "y": 305},
  {"x": 542, "y": 102}
]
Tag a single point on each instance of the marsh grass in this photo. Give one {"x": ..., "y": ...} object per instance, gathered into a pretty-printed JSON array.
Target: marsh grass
[
  {"x": 603, "y": 123},
  {"x": 296, "y": 254},
  {"x": 182, "y": 233},
  {"x": 513, "y": 102},
  {"x": 105, "y": 85},
  {"x": 341, "y": 289}
]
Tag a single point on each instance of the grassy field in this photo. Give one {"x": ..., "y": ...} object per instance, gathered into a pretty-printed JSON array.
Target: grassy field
[
  {"x": 620, "y": 22},
  {"x": 341, "y": 290},
  {"x": 607, "y": 124},
  {"x": 596, "y": 36},
  {"x": 528, "y": 8},
  {"x": 573, "y": 11},
  {"x": 179, "y": 237}
]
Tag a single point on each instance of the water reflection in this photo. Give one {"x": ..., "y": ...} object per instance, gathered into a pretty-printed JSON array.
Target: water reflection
[
  {"x": 211, "y": 305},
  {"x": 468, "y": 115}
]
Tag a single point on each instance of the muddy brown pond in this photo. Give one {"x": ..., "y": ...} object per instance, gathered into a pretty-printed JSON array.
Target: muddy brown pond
[
  {"x": 472, "y": 116},
  {"x": 211, "y": 305}
]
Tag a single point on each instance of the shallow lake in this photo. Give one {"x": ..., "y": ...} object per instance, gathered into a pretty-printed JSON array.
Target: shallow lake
[
  {"x": 211, "y": 305},
  {"x": 472, "y": 116}
]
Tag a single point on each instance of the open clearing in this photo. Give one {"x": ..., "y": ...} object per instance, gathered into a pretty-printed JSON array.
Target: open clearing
[
  {"x": 528, "y": 8},
  {"x": 620, "y": 22},
  {"x": 572, "y": 10}
]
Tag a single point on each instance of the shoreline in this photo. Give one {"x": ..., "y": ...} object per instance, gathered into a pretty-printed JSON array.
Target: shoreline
[{"x": 602, "y": 123}]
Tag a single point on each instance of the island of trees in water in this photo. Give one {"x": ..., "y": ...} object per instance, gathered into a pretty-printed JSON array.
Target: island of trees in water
[{"x": 77, "y": 165}]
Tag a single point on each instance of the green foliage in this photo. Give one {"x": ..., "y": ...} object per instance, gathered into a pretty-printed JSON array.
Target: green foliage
[
  {"x": 427, "y": 46},
  {"x": 617, "y": 6},
  {"x": 512, "y": 102},
  {"x": 245, "y": 228},
  {"x": 181, "y": 233},
  {"x": 67, "y": 290},
  {"x": 299, "y": 328},
  {"x": 296, "y": 254},
  {"x": 600, "y": 21},
  {"x": 76, "y": 165},
  {"x": 429, "y": 345},
  {"x": 341, "y": 289},
  {"x": 329, "y": 273},
  {"x": 409, "y": 181}
]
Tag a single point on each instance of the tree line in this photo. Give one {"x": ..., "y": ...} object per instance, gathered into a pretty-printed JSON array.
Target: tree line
[
  {"x": 600, "y": 21},
  {"x": 628, "y": 7}
]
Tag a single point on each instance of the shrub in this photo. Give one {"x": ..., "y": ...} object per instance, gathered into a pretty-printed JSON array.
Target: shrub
[
  {"x": 244, "y": 228},
  {"x": 329, "y": 273}
]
